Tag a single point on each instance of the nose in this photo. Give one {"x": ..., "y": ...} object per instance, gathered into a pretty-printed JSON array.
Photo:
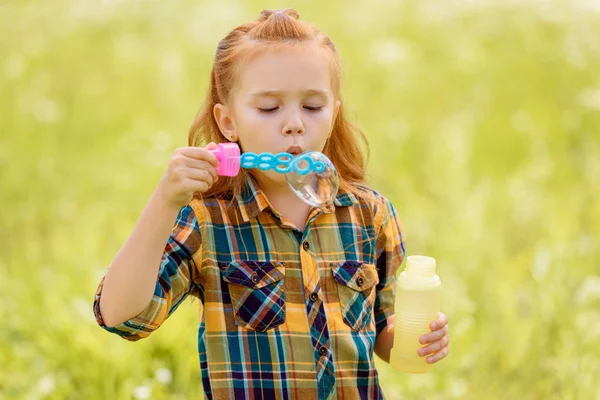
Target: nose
[{"x": 293, "y": 125}]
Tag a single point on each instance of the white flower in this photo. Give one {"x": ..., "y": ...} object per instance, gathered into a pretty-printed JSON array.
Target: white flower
[
  {"x": 589, "y": 290},
  {"x": 142, "y": 392},
  {"x": 163, "y": 376},
  {"x": 46, "y": 385}
]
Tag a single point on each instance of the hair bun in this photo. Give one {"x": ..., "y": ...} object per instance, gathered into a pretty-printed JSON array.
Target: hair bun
[{"x": 288, "y": 12}]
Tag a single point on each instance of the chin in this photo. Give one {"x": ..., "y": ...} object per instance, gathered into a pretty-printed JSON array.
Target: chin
[{"x": 270, "y": 177}]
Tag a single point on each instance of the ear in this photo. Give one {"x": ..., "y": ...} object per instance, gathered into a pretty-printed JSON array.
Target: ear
[{"x": 224, "y": 118}]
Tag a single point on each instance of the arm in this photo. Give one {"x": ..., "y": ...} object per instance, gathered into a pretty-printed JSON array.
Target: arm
[
  {"x": 129, "y": 283},
  {"x": 385, "y": 341},
  {"x": 390, "y": 254},
  {"x": 175, "y": 278},
  {"x": 390, "y": 251},
  {"x": 153, "y": 272}
]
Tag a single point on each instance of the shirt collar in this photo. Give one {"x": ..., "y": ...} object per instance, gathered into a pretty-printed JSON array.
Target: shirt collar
[{"x": 252, "y": 201}]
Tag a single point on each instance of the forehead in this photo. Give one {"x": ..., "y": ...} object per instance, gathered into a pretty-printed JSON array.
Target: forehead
[{"x": 300, "y": 68}]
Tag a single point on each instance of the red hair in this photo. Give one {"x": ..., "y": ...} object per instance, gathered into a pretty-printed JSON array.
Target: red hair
[{"x": 273, "y": 30}]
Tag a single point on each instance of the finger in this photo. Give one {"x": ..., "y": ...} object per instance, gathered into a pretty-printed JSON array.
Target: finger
[
  {"x": 433, "y": 347},
  {"x": 200, "y": 153},
  {"x": 439, "y": 355},
  {"x": 433, "y": 336},
  {"x": 441, "y": 320},
  {"x": 200, "y": 175},
  {"x": 202, "y": 165},
  {"x": 196, "y": 185}
]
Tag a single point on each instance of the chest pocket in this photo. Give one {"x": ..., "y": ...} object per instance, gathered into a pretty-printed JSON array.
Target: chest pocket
[
  {"x": 356, "y": 289},
  {"x": 256, "y": 293}
]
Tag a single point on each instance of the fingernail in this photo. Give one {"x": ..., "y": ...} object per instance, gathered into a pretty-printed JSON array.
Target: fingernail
[
  {"x": 429, "y": 360},
  {"x": 434, "y": 326}
]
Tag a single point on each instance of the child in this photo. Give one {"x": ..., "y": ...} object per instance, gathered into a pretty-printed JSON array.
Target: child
[{"x": 296, "y": 298}]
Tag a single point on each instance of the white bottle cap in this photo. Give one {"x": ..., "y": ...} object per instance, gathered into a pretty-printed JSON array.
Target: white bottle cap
[{"x": 420, "y": 266}]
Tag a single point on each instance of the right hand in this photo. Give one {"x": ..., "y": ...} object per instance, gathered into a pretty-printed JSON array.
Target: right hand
[{"x": 190, "y": 170}]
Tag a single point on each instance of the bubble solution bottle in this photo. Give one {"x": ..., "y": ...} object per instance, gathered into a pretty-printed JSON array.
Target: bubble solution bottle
[{"x": 418, "y": 297}]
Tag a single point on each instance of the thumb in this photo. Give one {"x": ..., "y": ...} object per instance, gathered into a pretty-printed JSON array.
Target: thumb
[{"x": 211, "y": 145}]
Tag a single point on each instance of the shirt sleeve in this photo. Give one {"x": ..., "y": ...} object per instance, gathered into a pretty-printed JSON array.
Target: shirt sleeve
[
  {"x": 390, "y": 252},
  {"x": 177, "y": 278}
]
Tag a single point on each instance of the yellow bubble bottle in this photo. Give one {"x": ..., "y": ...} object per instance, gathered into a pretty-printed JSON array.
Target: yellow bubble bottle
[{"x": 418, "y": 297}]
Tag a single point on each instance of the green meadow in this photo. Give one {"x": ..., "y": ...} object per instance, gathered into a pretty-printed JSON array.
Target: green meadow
[{"x": 483, "y": 120}]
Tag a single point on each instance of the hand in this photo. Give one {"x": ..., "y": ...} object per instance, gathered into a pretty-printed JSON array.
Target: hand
[
  {"x": 436, "y": 341},
  {"x": 190, "y": 170}
]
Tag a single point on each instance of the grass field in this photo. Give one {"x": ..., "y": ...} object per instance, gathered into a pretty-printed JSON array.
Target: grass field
[{"x": 484, "y": 124}]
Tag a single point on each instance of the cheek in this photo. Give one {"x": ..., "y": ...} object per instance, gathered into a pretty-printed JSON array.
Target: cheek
[
  {"x": 323, "y": 120},
  {"x": 253, "y": 132},
  {"x": 321, "y": 125}
]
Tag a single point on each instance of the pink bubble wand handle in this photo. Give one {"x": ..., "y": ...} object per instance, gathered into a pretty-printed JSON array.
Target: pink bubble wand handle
[
  {"x": 230, "y": 161},
  {"x": 228, "y": 155}
]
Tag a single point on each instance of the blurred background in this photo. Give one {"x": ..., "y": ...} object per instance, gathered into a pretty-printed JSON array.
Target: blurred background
[{"x": 484, "y": 124}]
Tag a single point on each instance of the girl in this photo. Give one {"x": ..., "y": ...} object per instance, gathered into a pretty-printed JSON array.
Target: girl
[{"x": 296, "y": 298}]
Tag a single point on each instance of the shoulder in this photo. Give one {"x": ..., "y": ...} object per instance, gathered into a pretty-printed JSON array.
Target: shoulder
[
  {"x": 368, "y": 197},
  {"x": 186, "y": 232},
  {"x": 197, "y": 216},
  {"x": 186, "y": 218},
  {"x": 386, "y": 221},
  {"x": 378, "y": 207},
  {"x": 212, "y": 208}
]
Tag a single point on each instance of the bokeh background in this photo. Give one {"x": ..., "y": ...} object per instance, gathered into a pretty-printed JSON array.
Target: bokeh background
[{"x": 484, "y": 124}]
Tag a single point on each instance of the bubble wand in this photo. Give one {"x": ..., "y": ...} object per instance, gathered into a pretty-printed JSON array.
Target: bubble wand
[{"x": 311, "y": 175}]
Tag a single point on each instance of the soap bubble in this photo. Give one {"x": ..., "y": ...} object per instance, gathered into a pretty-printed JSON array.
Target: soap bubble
[{"x": 313, "y": 178}]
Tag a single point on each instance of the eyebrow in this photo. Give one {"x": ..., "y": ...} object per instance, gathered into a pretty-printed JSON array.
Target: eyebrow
[{"x": 278, "y": 93}]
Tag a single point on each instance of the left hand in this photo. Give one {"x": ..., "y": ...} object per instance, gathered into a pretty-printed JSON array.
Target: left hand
[{"x": 437, "y": 341}]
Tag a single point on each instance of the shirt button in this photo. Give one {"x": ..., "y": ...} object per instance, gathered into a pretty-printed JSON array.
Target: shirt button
[
  {"x": 255, "y": 278},
  {"x": 322, "y": 350},
  {"x": 314, "y": 296},
  {"x": 360, "y": 281},
  {"x": 305, "y": 246}
]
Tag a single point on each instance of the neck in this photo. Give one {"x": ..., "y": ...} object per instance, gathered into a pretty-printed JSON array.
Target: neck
[
  {"x": 280, "y": 195},
  {"x": 273, "y": 189},
  {"x": 285, "y": 201}
]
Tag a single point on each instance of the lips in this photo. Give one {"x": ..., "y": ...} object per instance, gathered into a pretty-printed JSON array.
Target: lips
[{"x": 294, "y": 150}]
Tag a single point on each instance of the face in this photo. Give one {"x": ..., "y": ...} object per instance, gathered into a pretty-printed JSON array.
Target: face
[{"x": 283, "y": 103}]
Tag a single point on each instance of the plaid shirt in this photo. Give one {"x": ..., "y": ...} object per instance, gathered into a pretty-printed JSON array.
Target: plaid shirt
[{"x": 287, "y": 314}]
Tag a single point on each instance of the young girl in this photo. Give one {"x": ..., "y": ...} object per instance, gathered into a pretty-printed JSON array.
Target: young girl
[{"x": 296, "y": 298}]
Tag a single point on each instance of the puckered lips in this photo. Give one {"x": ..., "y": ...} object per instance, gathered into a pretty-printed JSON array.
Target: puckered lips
[{"x": 295, "y": 150}]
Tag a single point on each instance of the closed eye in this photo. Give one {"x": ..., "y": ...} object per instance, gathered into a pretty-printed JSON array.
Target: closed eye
[
  {"x": 318, "y": 108},
  {"x": 267, "y": 110}
]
